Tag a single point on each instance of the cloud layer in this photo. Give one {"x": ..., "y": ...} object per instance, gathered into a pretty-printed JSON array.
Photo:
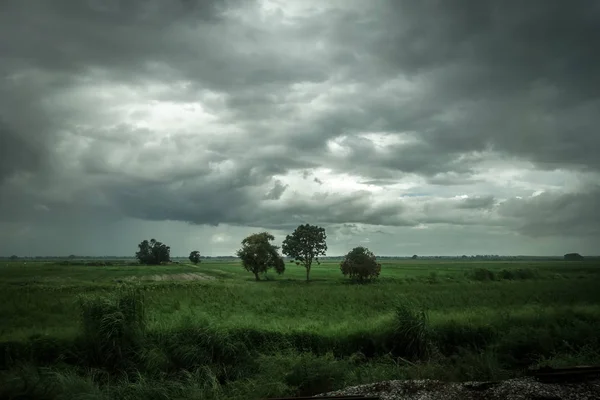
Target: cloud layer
[{"x": 383, "y": 121}]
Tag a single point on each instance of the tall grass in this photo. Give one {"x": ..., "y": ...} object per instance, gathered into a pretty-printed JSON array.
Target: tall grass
[
  {"x": 113, "y": 330},
  {"x": 412, "y": 335},
  {"x": 237, "y": 339}
]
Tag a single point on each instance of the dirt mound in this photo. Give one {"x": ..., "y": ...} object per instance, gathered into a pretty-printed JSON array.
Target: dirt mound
[
  {"x": 180, "y": 277},
  {"x": 513, "y": 389},
  {"x": 169, "y": 277}
]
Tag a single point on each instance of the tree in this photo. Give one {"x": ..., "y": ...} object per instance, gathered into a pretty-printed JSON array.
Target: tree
[
  {"x": 153, "y": 252},
  {"x": 414, "y": 257},
  {"x": 258, "y": 254},
  {"x": 360, "y": 264},
  {"x": 305, "y": 245},
  {"x": 195, "y": 257},
  {"x": 14, "y": 257},
  {"x": 573, "y": 257}
]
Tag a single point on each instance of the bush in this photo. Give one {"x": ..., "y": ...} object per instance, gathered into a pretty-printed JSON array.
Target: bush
[
  {"x": 360, "y": 265},
  {"x": 517, "y": 274},
  {"x": 313, "y": 375},
  {"x": 482, "y": 274},
  {"x": 113, "y": 330},
  {"x": 412, "y": 335},
  {"x": 453, "y": 336}
]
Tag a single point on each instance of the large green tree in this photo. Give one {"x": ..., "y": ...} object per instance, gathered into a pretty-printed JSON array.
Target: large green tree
[
  {"x": 195, "y": 257},
  {"x": 153, "y": 252},
  {"x": 360, "y": 264},
  {"x": 305, "y": 245},
  {"x": 258, "y": 254}
]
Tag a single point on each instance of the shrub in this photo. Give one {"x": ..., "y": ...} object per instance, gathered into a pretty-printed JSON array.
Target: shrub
[
  {"x": 360, "y": 265},
  {"x": 452, "y": 336},
  {"x": 482, "y": 274},
  {"x": 525, "y": 274},
  {"x": 506, "y": 274},
  {"x": 313, "y": 375},
  {"x": 517, "y": 274},
  {"x": 113, "y": 329},
  {"x": 412, "y": 334}
]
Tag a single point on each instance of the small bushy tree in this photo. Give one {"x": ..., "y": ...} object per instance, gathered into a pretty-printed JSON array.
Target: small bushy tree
[
  {"x": 573, "y": 257},
  {"x": 360, "y": 265},
  {"x": 258, "y": 254},
  {"x": 305, "y": 245},
  {"x": 153, "y": 252},
  {"x": 195, "y": 257}
]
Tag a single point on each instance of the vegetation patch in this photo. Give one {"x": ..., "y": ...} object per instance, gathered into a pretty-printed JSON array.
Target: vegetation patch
[{"x": 234, "y": 337}]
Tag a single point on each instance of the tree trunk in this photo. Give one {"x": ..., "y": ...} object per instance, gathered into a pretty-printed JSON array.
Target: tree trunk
[
  {"x": 256, "y": 276},
  {"x": 307, "y": 273}
]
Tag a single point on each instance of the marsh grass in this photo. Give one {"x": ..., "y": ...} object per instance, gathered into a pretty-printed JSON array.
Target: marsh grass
[{"x": 234, "y": 338}]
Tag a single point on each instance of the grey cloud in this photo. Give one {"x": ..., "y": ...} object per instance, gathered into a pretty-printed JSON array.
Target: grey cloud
[
  {"x": 477, "y": 202},
  {"x": 463, "y": 79},
  {"x": 276, "y": 192},
  {"x": 17, "y": 153},
  {"x": 493, "y": 76},
  {"x": 452, "y": 178},
  {"x": 556, "y": 214}
]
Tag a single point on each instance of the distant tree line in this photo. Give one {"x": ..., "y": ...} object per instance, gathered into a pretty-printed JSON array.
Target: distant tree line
[{"x": 305, "y": 246}]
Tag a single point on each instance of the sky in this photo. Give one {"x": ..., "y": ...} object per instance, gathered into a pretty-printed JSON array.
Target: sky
[{"x": 425, "y": 127}]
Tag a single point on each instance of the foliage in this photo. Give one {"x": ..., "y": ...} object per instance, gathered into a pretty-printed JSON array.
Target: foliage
[
  {"x": 313, "y": 375},
  {"x": 305, "y": 245},
  {"x": 482, "y": 274},
  {"x": 412, "y": 335},
  {"x": 14, "y": 257},
  {"x": 258, "y": 254},
  {"x": 229, "y": 339},
  {"x": 153, "y": 252},
  {"x": 573, "y": 257},
  {"x": 361, "y": 265},
  {"x": 113, "y": 329},
  {"x": 195, "y": 257}
]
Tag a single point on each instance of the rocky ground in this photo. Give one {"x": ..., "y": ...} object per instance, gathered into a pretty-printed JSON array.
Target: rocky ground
[{"x": 513, "y": 389}]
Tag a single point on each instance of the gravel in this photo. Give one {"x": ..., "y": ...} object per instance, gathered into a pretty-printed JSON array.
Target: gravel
[{"x": 513, "y": 389}]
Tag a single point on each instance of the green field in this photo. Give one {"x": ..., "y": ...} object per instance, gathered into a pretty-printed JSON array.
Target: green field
[{"x": 211, "y": 331}]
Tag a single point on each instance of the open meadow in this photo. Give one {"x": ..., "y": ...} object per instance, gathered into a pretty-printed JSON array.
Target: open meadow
[{"x": 211, "y": 331}]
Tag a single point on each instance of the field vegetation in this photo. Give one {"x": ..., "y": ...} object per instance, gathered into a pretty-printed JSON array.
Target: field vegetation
[{"x": 130, "y": 331}]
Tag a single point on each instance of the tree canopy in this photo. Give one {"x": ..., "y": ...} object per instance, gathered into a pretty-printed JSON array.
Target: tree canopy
[
  {"x": 573, "y": 257},
  {"x": 153, "y": 252},
  {"x": 305, "y": 245},
  {"x": 258, "y": 254},
  {"x": 360, "y": 264},
  {"x": 195, "y": 257}
]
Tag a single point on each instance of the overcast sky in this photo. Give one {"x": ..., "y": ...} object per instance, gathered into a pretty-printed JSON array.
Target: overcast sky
[{"x": 411, "y": 127}]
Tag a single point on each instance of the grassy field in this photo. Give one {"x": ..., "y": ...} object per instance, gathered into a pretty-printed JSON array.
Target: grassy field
[{"x": 211, "y": 331}]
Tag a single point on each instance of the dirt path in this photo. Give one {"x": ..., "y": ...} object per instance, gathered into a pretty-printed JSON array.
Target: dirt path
[{"x": 512, "y": 389}]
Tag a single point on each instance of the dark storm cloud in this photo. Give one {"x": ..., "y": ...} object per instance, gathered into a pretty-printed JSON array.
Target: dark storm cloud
[
  {"x": 500, "y": 76},
  {"x": 71, "y": 37},
  {"x": 461, "y": 79},
  {"x": 16, "y": 152},
  {"x": 516, "y": 77},
  {"x": 276, "y": 192},
  {"x": 477, "y": 202},
  {"x": 556, "y": 214}
]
